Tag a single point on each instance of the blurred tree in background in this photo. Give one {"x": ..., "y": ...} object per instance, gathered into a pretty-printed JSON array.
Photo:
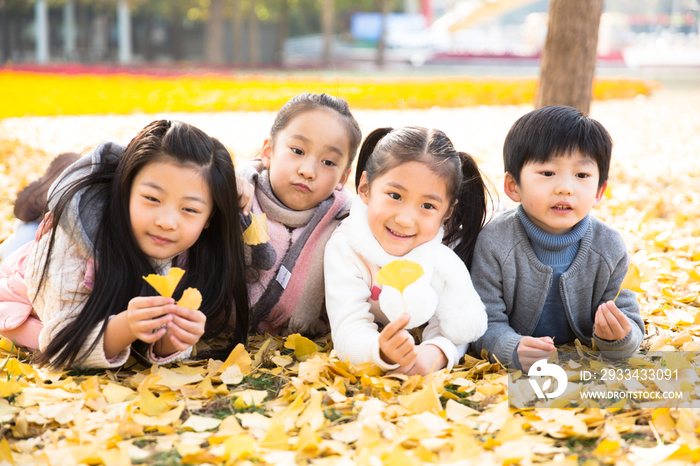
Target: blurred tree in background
[{"x": 214, "y": 31}]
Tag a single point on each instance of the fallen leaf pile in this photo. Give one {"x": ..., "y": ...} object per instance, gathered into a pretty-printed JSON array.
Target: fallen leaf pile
[{"x": 293, "y": 401}]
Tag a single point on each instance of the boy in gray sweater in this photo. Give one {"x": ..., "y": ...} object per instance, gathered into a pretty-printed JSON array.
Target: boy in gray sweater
[{"x": 548, "y": 270}]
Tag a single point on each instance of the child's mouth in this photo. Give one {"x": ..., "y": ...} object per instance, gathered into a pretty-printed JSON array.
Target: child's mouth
[
  {"x": 562, "y": 208},
  {"x": 397, "y": 234}
]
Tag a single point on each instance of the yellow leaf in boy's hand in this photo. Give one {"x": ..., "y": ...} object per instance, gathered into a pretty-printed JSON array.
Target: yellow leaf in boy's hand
[
  {"x": 256, "y": 233},
  {"x": 191, "y": 299},
  {"x": 165, "y": 286},
  {"x": 399, "y": 274}
]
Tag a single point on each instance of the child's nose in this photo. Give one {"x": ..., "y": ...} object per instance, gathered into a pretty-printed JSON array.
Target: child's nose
[
  {"x": 306, "y": 169},
  {"x": 166, "y": 220},
  {"x": 564, "y": 187},
  {"x": 404, "y": 217}
]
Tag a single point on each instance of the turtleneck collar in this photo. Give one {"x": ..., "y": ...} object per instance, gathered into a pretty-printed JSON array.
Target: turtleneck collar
[{"x": 554, "y": 249}]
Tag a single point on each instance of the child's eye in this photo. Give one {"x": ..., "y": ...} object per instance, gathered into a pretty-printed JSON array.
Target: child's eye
[
  {"x": 395, "y": 196},
  {"x": 151, "y": 198},
  {"x": 297, "y": 151},
  {"x": 583, "y": 175},
  {"x": 190, "y": 210},
  {"x": 547, "y": 173},
  {"x": 329, "y": 163},
  {"x": 428, "y": 206}
]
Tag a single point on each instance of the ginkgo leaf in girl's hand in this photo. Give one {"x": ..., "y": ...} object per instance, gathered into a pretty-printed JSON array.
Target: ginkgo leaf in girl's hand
[
  {"x": 191, "y": 299},
  {"x": 399, "y": 274},
  {"x": 256, "y": 233},
  {"x": 165, "y": 285}
]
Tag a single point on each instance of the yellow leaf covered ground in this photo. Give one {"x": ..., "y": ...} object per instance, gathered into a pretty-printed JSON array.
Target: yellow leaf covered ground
[{"x": 281, "y": 402}]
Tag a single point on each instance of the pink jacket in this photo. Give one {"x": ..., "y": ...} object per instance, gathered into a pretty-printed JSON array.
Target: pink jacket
[{"x": 15, "y": 307}]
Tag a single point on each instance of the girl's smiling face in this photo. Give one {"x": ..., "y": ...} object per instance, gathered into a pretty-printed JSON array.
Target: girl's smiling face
[
  {"x": 407, "y": 205},
  {"x": 169, "y": 206}
]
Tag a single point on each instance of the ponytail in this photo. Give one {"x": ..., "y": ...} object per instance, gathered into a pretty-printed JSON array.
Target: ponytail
[
  {"x": 469, "y": 213},
  {"x": 367, "y": 149}
]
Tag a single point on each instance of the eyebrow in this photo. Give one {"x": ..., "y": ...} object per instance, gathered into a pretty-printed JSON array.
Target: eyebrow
[
  {"x": 432, "y": 196},
  {"x": 155, "y": 186},
  {"x": 308, "y": 141}
]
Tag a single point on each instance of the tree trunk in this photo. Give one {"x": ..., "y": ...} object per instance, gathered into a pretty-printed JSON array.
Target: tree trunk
[
  {"x": 4, "y": 41},
  {"x": 83, "y": 28},
  {"x": 384, "y": 6},
  {"x": 327, "y": 28},
  {"x": 237, "y": 26},
  {"x": 282, "y": 31},
  {"x": 215, "y": 32},
  {"x": 569, "y": 55},
  {"x": 254, "y": 35},
  {"x": 148, "y": 46},
  {"x": 176, "y": 32}
]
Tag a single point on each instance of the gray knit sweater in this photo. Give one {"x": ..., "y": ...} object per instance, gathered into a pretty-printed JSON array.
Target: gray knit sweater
[{"x": 513, "y": 285}]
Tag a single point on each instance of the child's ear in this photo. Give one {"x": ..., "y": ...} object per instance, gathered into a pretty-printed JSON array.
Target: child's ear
[
  {"x": 343, "y": 180},
  {"x": 450, "y": 211},
  {"x": 363, "y": 188},
  {"x": 266, "y": 153},
  {"x": 510, "y": 186},
  {"x": 599, "y": 194},
  {"x": 206, "y": 225}
]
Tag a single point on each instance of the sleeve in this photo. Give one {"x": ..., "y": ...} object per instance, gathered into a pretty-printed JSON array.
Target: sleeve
[
  {"x": 500, "y": 340},
  {"x": 175, "y": 357},
  {"x": 354, "y": 332},
  {"x": 63, "y": 296},
  {"x": 627, "y": 302},
  {"x": 460, "y": 311},
  {"x": 433, "y": 336}
]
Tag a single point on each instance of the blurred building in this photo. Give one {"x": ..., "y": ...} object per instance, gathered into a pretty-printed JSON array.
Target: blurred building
[{"x": 291, "y": 32}]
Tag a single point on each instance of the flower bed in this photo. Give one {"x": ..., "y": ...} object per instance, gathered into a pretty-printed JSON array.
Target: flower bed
[{"x": 47, "y": 94}]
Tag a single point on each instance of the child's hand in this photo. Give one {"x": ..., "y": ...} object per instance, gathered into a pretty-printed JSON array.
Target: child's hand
[
  {"x": 611, "y": 323},
  {"x": 246, "y": 193},
  {"x": 396, "y": 345},
  {"x": 184, "y": 330},
  {"x": 531, "y": 349},
  {"x": 146, "y": 314},
  {"x": 430, "y": 358}
]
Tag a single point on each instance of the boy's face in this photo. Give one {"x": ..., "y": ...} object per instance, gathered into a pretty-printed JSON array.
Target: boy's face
[
  {"x": 557, "y": 194},
  {"x": 308, "y": 159}
]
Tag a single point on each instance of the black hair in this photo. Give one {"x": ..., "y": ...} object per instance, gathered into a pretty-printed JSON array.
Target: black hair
[
  {"x": 307, "y": 102},
  {"x": 555, "y": 131},
  {"x": 386, "y": 148},
  {"x": 214, "y": 264}
]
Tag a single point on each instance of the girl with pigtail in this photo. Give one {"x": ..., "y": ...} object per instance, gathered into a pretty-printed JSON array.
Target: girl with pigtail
[{"x": 416, "y": 195}]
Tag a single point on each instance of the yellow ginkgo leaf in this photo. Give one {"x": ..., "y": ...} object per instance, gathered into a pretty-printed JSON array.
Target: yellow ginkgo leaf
[
  {"x": 152, "y": 405},
  {"x": 191, "y": 299},
  {"x": 165, "y": 286},
  {"x": 632, "y": 280},
  {"x": 399, "y": 274},
  {"x": 6, "y": 451},
  {"x": 256, "y": 233},
  {"x": 302, "y": 346}
]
